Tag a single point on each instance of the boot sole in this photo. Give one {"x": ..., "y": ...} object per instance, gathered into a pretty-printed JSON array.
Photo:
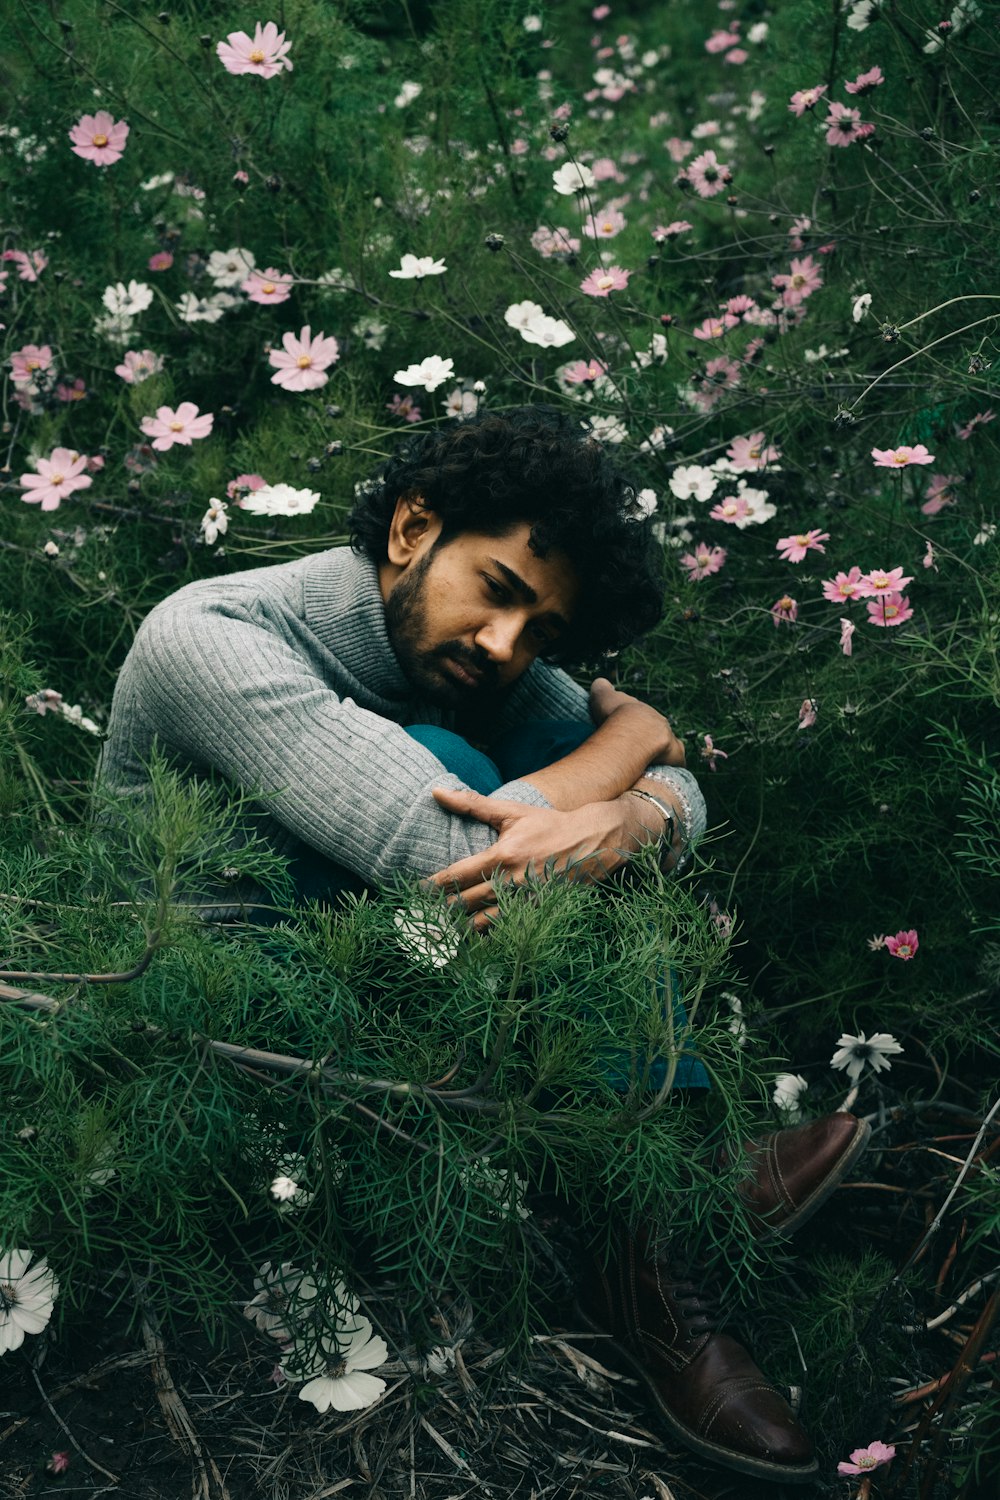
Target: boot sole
[
  {"x": 767, "y": 1234},
  {"x": 729, "y": 1458}
]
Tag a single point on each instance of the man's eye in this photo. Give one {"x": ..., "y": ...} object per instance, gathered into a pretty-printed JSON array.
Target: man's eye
[{"x": 496, "y": 589}]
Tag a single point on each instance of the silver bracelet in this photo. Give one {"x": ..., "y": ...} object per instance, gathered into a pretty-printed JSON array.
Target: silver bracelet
[{"x": 665, "y": 840}]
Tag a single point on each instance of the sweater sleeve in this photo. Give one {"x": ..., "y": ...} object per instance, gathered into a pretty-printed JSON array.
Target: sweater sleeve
[{"x": 232, "y": 695}]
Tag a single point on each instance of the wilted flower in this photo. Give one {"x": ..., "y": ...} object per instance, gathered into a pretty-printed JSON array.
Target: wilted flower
[
  {"x": 215, "y": 522},
  {"x": 785, "y": 609},
  {"x": 264, "y": 54},
  {"x": 710, "y": 752},
  {"x": 861, "y": 306},
  {"x": 58, "y": 1463},
  {"x": 853, "y": 1052},
  {"x": 26, "y": 1297},
  {"x": 863, "y": 1460},
  {"x": 181, "y": 426},
  {"x": 847, "y": 629},
  {"x": 99, "y": 138},
  {"x": 807, "y": 713},
  {"x": 279, "y": 500}
]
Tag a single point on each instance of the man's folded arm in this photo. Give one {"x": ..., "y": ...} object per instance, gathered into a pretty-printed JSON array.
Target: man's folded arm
[{"x": 230, "y": 695}]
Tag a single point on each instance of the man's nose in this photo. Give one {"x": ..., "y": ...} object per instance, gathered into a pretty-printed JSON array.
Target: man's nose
[{"x": 498, "y": 637}]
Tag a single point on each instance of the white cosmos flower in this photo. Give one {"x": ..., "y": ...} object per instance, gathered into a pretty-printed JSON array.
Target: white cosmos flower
[
  {"x": 853, "y": 1052},
  {"x": 429, "y": 939},
  {"x": 645, "y": 505},
  {"x": 429, "y": 373},
  {"x": 861, "y": 14},
  {"x": 334, "y": 1374},
  {"x": 504, "y": 1190},
  {"x": 124, "y": 301},
  {"x": 407, "y": 94},
  {"x": 229, "y": 268},
  {"x": 861, "y": 306},
  {"x": 656, "y": 354},
  {"x": 215, "y": 522},
  {"x": 162, "y": 179},
  {"x": 115, "y": 327},
  {"x": 417, "y": 267},
  {"x": 692, "y": 482},
  {"x": 788, "y": 1091},
  {"x": 371, "y": 332},
  {"x": 281, "y": 1295},
  {"x": 26, "y": 1297},
  {"x": 536, "y": 327},
  {"x": 657, "y": 439},
  {"x": 280, "y": 500},
  {"x": 606, "y": 429},
  {"x": 572, "y": 177},
  {"x": 759, "y": 509},
  {"x": 194, "y": 309},
  {"x": 461, "y": 404}
]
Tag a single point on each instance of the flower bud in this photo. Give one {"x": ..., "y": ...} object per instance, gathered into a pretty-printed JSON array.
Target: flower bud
[{"x": 494, "y": 242}]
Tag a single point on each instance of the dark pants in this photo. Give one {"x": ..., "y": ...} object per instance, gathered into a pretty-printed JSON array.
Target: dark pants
[{"x": 527, "y": 748}]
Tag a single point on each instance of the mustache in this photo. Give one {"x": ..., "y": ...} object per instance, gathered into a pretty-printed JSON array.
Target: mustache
[{"x": 474, "y": 661}]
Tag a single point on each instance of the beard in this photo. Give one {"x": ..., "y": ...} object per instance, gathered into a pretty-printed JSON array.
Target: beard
[{"x": 406, "y": 621}]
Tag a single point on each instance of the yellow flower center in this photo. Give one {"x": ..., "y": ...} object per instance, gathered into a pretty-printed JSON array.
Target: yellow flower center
[
  {"x": 177, "y": 427},
  {"x": 57, "y": 478},
  {"x": 891, "y": 611},
  {"x": 754, "y": 453},
  {"x": 605, "y": 282},
  {"x": 257, "y": 56},
  {"x": 901, "y": 457},
  {"x": 100, "y": 140},
  {"x": 803, "y": 541},
  {"x": 798, "y": 279},
  {"x": 785, "y": 602},
  {"x": 304, "y": 361},
  {"x": 269, "y": 287},
  {"x": 608, "y": 227}
]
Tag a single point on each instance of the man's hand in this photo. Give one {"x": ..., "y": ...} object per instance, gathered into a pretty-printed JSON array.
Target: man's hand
[
  {"x": 588, "y": 844},
  {"x": 606, "y": 700}
]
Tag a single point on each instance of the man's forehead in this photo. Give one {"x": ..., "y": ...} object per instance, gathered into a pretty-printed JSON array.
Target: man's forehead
[{"x": 550, "y": 581}]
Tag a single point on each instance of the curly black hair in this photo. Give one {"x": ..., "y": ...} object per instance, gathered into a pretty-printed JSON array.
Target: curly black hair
[{"x": 530, "y": 464}]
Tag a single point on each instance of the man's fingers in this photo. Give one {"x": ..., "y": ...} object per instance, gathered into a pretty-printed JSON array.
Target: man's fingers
[{"x": 465, "y": 873}]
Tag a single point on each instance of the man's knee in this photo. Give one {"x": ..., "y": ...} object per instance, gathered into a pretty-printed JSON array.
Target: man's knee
[{"x": 458, "y": 756}]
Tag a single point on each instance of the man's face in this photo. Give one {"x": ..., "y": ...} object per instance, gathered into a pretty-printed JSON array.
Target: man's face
[{"x": 468, "y": 618}]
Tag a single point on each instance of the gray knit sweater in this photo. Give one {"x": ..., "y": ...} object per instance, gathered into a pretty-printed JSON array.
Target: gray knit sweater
[{"x": 283, "y": 680}]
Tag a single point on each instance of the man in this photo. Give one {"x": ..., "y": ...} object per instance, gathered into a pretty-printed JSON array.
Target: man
[{"x": 399, "y": 706}]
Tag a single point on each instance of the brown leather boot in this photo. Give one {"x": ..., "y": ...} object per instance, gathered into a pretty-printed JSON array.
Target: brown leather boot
[
  {"x": 704, "y": 1384},
  {"x": 794, "y": 1171}
]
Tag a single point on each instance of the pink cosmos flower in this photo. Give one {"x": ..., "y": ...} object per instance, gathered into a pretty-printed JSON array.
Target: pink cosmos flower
[
  {"x": 243, "y": 484},
  {"x": 846, "y": 586},
  {"x": 901, "y": 458},
  {"x": 721, "y": 41},
  {"x": 739, "y": 307},
  {"x": 58, "y": 1463},
  {"x": 558, "y": 241},
  {"x": 722, "y": 372},
  {"x": 602, "y": 283},
  {"x": 604, "y": 225},
  {"x": 749, "y": 453},
  {"x": 736, "y": 56},
  {"x": 844, "y": 126},
  {"x": 804, "y": 99},
  {"x": 305, "y": 359},
  {"x": 964, "y": 433},
  {"x": 404, "y": 407},
  {"x": 181, "y": 426},
  {"x": 863, "y": 1460},
  {"x": 889, "y": 609},
  {"x": 940, "y": 493},
  {"x": 99, "y": 138},
  {"x": 138, "y": 364},
  {"x": 600, "y": 11},
  {"x": 847, "y": 629},
  {"x": 879, "y": 582},
  {"x": 671, "y": 231},
  {"x": 265, "y": 54},
  {"x": 583, "y": 370},
  {"x": 714, "y": 327},
  {"x": 605, "y": 170},
  {"x": 904, "y": 945},
  {"x": 161, "y": 261},
  {"x": 785, "y": 609},
  {"x": 928, "y": 558},
  {"x": 731, "y": 508},
  {"x": 266, "y": 287},
  {"x": 710, "y": 751},
  {"x": 678, "y": 149},
  {"x": 802, "y": 279},
  {"x": 76, "y": 390},
  {"x": 865, "y": 82},
  {"x": 795, "y": 548},
  {"x": 27, "y": 363},
  {"x": 707, "y": 175},
  {"x": 808, "y": 713},
  {"x": 57, "y": 477},
  {"x": 30, "y": 265},
  {"x": 703, "y": 561}
]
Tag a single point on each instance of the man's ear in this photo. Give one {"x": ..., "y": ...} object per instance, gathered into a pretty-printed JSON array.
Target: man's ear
[{"x": 413, "y": 530}]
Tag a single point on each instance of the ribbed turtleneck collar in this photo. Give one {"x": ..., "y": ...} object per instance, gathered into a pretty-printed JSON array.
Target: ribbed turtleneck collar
[{"x": 345, "y": 610}]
